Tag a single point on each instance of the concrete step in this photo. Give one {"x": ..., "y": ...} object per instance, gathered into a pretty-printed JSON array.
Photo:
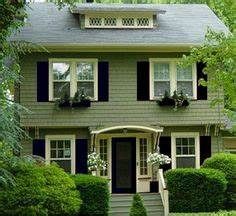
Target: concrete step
[{"x": 120, "y": 204}]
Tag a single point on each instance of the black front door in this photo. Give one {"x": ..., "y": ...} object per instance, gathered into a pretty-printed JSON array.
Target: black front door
[{"x": 123, "y": 165}]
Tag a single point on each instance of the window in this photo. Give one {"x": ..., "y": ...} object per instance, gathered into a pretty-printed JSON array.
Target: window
[
  {"x": 143, "y": 154},
  {"x": 185, "y": 150},
  {"x": 85, "y": 78},
  {"x": 61, "y": 150},
  {"x": 67, "y": 76},
  {"x": 119, "y": 21},
  {"x": 103, "y": 154},
  {"x": 61, "y": 79},
  {"x": 166, "y": 75}
]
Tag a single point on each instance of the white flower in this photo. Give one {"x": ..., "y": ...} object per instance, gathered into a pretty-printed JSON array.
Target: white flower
[
  {"x": 157, "y": 158},
  {"x": 95, "y": 162}
]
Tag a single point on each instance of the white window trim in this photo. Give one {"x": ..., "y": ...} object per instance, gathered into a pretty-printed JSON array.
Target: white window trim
[
  {"x": 194, "y": 135},
  {"x": 173, "y": 75},
  {"x": 119, "y": 17},
  {"x": 73, "y": 78},
  {"x": 99, "y": 146},
  {"x": 149, "y": 149},
  {"x": 48, "y": 138}
]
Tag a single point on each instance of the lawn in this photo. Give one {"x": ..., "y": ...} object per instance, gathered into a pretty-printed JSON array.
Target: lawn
[{"x": 221, "y": 213}]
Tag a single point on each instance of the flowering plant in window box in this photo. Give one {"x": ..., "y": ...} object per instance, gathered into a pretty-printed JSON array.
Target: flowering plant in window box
[
  {"x": 96, "y": 163},
  {"x": 176, "y": 100},
  {"x": 81, "y": 100},
  {"x": 64, "y": 101}
]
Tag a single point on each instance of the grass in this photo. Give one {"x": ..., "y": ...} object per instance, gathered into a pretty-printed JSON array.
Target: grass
[{"x": 221, "y": 213}]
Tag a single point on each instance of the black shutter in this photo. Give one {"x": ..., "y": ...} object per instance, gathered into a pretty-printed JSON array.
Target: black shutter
[
  {"x": 142, "y": 81},
  {"x": 39, "y": 147},
  {"x": 42, "y": 81},
  {"x": 81, "y": 155},
  {"x": 201, "y": 90},
  {"x": 103, "y": 81},
  {"x": 165, "y": 148},
  {"x": 205, "y": 148}
]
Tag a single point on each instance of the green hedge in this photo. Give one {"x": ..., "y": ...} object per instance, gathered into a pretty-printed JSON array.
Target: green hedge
[
  {"x": 196, "y": 190},
  {"x": 39, "y": 190},
  {"x": 226, "y": 163},
  {"x": 94, "y": 193}
]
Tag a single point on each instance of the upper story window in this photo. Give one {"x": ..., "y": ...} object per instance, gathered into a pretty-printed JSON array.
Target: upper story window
[
  {"x": 118, "y": 21},
  {"x": 67, "y": 76},
  {"x": 166, "y": 75}
]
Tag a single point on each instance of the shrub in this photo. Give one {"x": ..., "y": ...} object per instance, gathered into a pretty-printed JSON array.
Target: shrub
[
  {"x": 137, "y": 208},
  {"x": 226, "y": 163},
  {"x": 94, "y": 193},
  {"x": 196, "y": 190},
  {"x": 39, "y": 190}
]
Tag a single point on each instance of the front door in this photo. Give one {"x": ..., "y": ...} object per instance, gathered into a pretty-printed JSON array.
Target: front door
[{"x": 123, "y": 165}]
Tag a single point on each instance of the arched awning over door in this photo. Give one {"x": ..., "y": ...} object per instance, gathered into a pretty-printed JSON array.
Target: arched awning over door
[
  {"x": 155, "y": 130},
  {"x": 127, "y": 127}
]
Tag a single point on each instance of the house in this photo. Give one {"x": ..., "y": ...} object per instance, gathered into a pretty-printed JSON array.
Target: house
[{"x": 124, "y": 57}]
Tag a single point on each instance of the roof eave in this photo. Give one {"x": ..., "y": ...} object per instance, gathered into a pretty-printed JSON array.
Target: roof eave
[{"x": 125, "y": 47}]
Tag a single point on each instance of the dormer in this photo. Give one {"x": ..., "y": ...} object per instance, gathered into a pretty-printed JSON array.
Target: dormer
[{"x": 117, "y": 16}]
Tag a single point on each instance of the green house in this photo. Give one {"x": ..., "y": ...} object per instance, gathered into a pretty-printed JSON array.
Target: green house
[{"x": 119, "y": 59}]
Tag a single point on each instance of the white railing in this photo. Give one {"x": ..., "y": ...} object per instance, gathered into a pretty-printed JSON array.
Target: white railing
[{"x": 163, "y": 192}]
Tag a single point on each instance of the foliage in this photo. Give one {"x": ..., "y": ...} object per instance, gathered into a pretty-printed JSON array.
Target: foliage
[
  {"x": 12, "y": 14},
  {"x": 177, "y": 100},
  {"x": 158, "y": 159},
  {"x": 196, "y": 190},
  {"x": 94, "y": 194},
  {"x": 80, "y": 99},
  {"x": 95, "y": 162},
  {"x": 39, "y": 190},
  {"x": 137, "y": 208},
  {"x": 226, "y": 163},
  {"x": 218, "y": 57}
]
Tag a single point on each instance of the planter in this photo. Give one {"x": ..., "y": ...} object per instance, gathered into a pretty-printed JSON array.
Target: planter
[
  {"x": 154, "y": 186},
  {"x": 83, "y": 103},
  {"x": 64, "y": 104},
  {"x": 166, "y": 102}
]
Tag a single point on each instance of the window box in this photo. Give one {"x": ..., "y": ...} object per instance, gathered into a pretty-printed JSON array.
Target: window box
[
  {"x": 64, "y": 104},
  {"x": 177, "y": 100},
  {"x": 83, "y": 103}
]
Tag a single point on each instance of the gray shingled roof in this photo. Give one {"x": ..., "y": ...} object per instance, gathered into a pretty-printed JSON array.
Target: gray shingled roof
[{"x": 181, "y": 24}]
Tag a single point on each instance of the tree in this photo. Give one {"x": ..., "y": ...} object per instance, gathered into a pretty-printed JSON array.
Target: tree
[{"x": 12, "y": 14}]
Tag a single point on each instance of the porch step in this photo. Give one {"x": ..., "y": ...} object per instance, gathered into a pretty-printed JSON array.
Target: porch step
[{"x": 120, "y": 204}]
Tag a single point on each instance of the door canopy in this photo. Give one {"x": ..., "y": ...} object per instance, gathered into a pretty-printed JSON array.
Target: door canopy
[{"x": 126, "y": 128}]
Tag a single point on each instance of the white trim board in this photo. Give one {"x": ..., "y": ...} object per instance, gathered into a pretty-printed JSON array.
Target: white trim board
[
  {"x": 73, "y": 79},
  {"x": 194, "y": 135},
  {"x": 173, "y": 75},
  {"x": 72, "y": 138}
]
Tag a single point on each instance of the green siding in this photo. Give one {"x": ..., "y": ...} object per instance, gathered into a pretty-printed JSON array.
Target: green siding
[
  {"x": 122, "y": 108},
  {"x": 83, "y": 133}
]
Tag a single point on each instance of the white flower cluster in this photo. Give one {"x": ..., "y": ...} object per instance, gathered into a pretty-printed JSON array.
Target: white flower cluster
[
  {"x": 95, "y": 162},
  {"x": 157, "y": 158}
]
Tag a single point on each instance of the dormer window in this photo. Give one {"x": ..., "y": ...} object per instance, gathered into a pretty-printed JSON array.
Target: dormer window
[
  {"x": 118, "y": 21},
  {"x": 117, "y": 16}
]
